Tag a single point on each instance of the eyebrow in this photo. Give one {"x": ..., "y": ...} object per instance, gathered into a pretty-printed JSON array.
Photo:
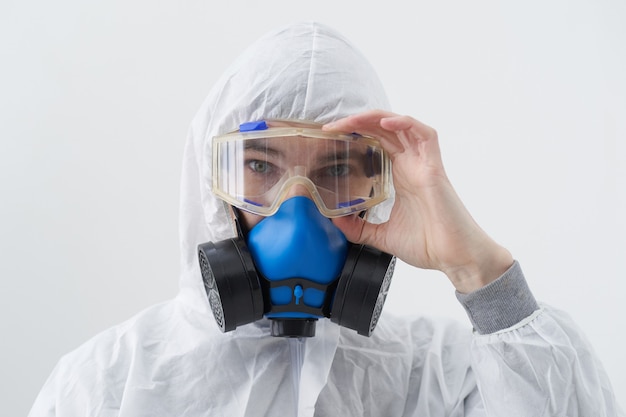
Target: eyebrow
[
  {"x": 262, "y": 148},
  {"x": 339, "y": 156}
]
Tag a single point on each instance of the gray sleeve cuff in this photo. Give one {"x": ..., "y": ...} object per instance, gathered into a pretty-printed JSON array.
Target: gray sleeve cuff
[{"x": 501, "y": 303}]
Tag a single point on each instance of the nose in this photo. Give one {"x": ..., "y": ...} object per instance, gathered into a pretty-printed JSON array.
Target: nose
[{"x": 299, "y": 190}]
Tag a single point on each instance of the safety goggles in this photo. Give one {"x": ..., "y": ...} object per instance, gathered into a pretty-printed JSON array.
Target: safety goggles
[{"x": 257, "y": 168}]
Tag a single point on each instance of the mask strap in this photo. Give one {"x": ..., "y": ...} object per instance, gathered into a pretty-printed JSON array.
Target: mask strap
[{"x": 236, "y": 216}]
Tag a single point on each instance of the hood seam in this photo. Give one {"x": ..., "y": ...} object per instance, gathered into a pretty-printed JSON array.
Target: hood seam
[{"x": 310, "y": 74}]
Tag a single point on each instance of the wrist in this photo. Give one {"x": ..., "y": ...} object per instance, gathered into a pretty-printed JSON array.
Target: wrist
[{"x": 484, "y": 267}]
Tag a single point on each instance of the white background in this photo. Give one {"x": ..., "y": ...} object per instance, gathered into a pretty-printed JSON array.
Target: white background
[{"x": 529, "y": 99}]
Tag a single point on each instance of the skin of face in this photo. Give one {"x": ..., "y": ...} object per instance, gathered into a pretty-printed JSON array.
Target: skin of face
[{"x": 296, "y": 156}]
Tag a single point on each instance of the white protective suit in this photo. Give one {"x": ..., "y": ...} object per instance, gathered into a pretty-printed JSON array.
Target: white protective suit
[{"x": 171, "y": 359}]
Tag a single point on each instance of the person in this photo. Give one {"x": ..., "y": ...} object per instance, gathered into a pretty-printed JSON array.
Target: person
[{"x": 521, "y": 358}]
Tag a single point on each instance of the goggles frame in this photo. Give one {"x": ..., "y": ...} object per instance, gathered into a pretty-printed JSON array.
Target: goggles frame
[{"x": 266, "y": 129}]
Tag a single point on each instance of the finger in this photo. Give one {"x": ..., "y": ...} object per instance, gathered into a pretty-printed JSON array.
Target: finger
[
  {"x": 358, "y": 230},
  {"x": 368, "y": 123},
  {"x": 397, "y": 122},
  {"x": 351, "y": 226},
  {"x": 412, "y": 134},
  {"x": 396, "y": 132},
  {"x": 369, "y": 120}
]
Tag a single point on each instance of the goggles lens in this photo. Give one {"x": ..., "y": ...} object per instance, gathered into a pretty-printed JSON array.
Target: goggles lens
[{"x": 258, "y": 169}]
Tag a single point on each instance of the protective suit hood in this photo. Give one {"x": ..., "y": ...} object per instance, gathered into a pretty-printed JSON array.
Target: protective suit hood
[{"x": 303, "y": 71}]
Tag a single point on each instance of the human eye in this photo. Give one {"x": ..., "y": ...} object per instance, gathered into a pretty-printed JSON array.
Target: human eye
[
  {"x": 260, "y": 166},
  {"x": 337, "y": 170}
]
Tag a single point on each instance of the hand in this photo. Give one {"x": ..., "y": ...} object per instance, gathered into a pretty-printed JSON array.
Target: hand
[{"x": 429, "y": 226}]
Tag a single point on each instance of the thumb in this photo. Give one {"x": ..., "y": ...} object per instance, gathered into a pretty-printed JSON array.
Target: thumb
[{"x": 356, "y": 229}]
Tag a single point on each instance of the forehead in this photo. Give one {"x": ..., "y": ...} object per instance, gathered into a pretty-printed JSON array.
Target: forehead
[
  {"x": 301, "y": 148},
  {"x": 294, "y": 140}
]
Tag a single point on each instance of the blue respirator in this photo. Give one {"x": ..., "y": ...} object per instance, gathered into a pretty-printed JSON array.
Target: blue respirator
[{"x": 295, "y": 267}]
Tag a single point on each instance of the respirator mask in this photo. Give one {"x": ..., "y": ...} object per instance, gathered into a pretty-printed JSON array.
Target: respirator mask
[{"x": 295, "y": 266}]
